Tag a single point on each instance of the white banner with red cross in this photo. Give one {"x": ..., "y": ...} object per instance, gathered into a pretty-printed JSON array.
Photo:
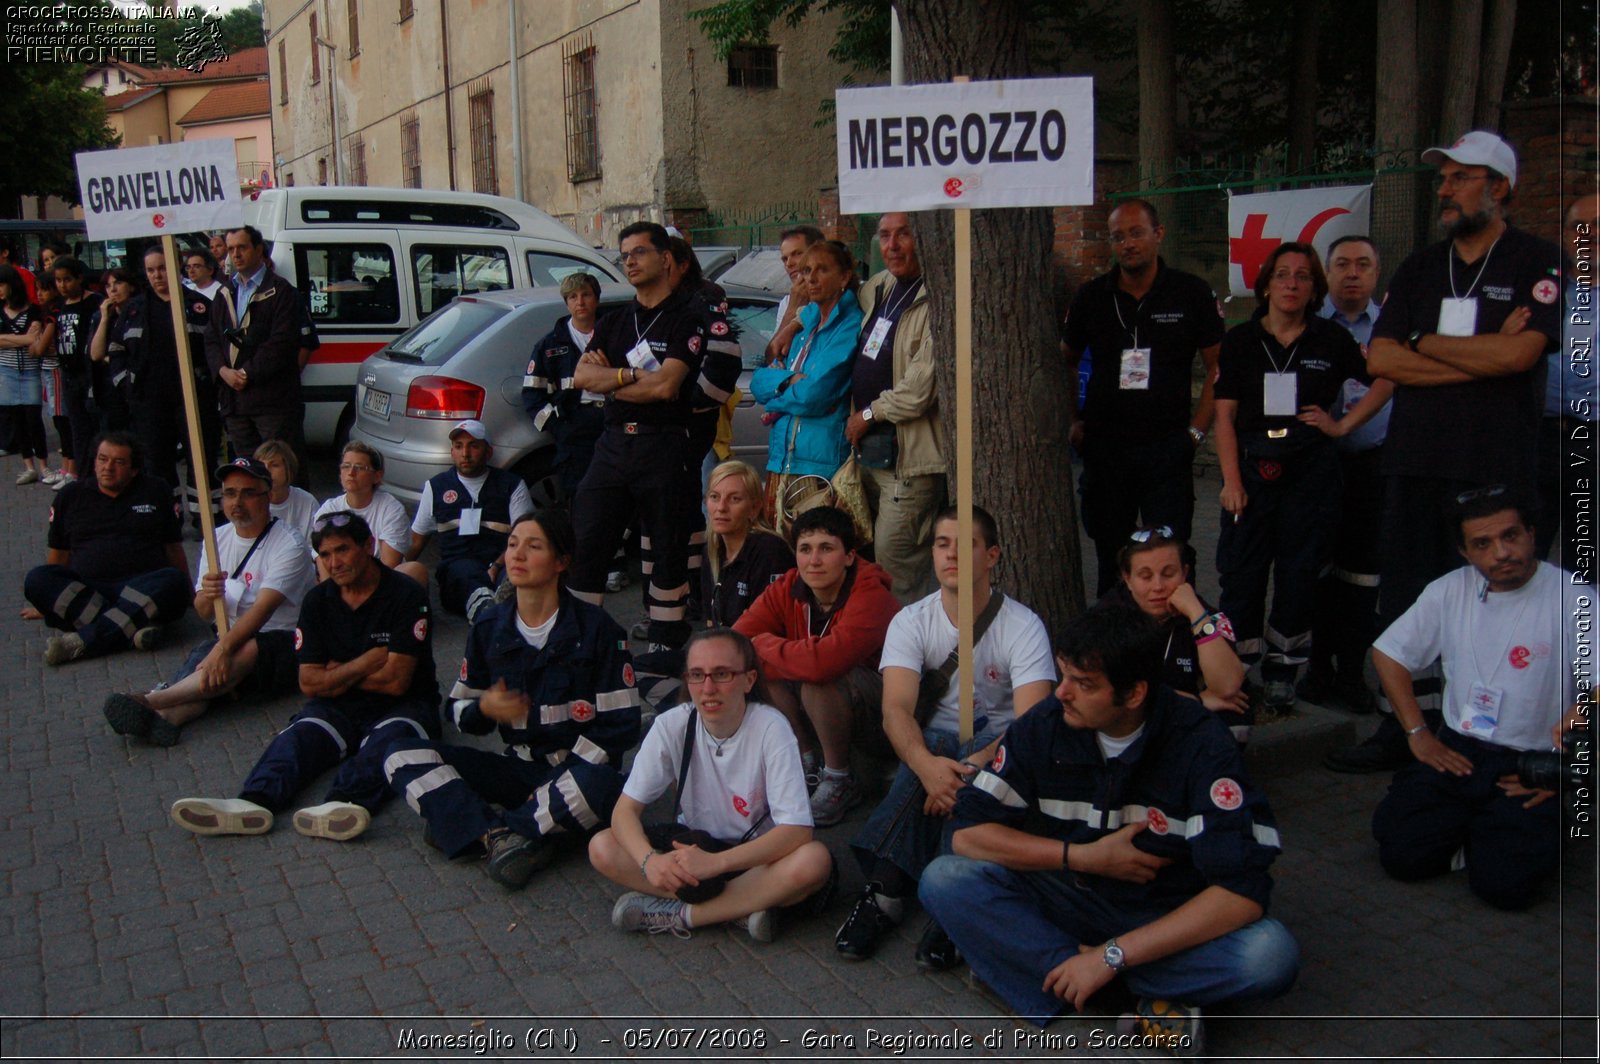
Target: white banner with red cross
[{"x": 1261, "y": 221}]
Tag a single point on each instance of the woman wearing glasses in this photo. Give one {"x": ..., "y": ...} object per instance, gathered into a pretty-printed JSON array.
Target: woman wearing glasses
[
  {"x": 739, "y": 847},
  {"x": 807, "y": 392},
  {"x": 1278, "y": 376},
  {"x": 1158, "y": 577}
]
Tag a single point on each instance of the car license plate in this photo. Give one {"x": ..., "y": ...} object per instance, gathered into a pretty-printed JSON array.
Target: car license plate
[{"x": 376, "y": 403}]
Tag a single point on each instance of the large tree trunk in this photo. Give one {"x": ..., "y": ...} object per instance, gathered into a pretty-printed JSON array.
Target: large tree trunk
[
  {"x": 1396, "y": 123},
  {"x": 1158, "y": 93},
  {"x": 1496, "y": 55},
  {"x": 1428, "y": 39},
  {"x": 1303, "y": 88},
  {"x": 1461, "y": 62},
  {"x": 1020, "y": 386}
]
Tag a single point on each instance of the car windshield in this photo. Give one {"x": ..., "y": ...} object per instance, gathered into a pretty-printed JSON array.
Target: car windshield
[
  {"x": 442, "y": 335},
  {"x": 762, "y": 268}
]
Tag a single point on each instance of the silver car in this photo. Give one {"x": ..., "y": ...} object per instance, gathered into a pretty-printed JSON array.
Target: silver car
[{"x": 467, "y": 361}]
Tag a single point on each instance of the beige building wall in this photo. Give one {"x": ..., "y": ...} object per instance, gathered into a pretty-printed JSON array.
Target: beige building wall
[
  {"x": 143, "y": 124},
  {"x": 243, "y": 132},
  {"x": 675, "y": 140}
]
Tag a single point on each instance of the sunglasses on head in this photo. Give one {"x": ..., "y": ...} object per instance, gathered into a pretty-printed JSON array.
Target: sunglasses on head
[
  {"x": 1144, "y": 535},
  {"x": 338, "y": 520},
  {"x": 1480, "y": 493}
]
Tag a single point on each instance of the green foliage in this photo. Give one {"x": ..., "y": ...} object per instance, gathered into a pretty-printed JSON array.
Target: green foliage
[
  {"x": 862, "y": 42},
  {"x": 56, "y": 120}
]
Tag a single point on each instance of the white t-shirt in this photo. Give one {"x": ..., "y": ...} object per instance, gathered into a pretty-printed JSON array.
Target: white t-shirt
[
  {"x": 1013, "y": 652},
  {"x": 298, "y": 511},
  {"x": 1514, "y": 648},
  {"x": 756, "y": 782},
  {"x": 425, "y": 525},
  {"x": 282, "y": 564},
  {"x": 385, "y": 515}
]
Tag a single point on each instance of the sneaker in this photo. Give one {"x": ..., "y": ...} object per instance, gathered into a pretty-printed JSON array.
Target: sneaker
[
  {"x": 132, "y": 715},
  {"x": 52, "y": 477},
  {"x": 221, "y": 816},
  {"x": 28, "y": 476},
  {"x": 761, "y": 924},
  {"x": 1385, "y": 751},
  {"x": 148, "y": 638},
  {"x": 1168, "y": 1025},
  {"x": 642, "y": 912},
  {"x": 339, "y": 821},
  {"x": 834, "y": 797},
  {"x": 639, "y": 631},
  {"x": 935, "y": 951},
  {"x": 60, "y": 649},
  {"x": 859, "y": 935},
  {"x": 617, "y": 580},
  {"x": 66, "y": 478},
  {"x": 514, "y": 858}
]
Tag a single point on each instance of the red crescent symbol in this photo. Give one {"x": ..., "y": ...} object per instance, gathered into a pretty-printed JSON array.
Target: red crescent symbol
[
  {"x": 1309, "y": 233},
  {"x": 158, "y": 220}
]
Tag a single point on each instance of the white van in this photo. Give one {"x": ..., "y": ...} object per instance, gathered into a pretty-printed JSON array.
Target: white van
[{"x": 373, "y": 262}]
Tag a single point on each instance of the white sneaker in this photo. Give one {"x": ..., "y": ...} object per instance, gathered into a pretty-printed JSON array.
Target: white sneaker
[
  {"x": 66, "y": 478},
  {"x": 635, "y": 911},
  {"x": 52, "y": 477},
  {"x": 834, "y": 797},
  {"x": 28, "y": 476},
  {"x": 221, "y": 816},
  {"x": 761, "y": 924},
  {"x": 339, "y": 821}
]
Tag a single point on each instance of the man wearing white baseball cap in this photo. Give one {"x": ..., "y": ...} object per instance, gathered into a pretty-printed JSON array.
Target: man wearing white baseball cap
[
  {"x": 1463, "y": 335},
  {"x": 471, "y": 507}
]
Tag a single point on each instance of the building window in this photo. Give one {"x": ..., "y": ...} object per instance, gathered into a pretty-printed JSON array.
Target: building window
[
  {"x": 583, "y": 137},
  {"x": 355, "y": 30},
  {"x": 358, "y": 160},
  {"x": 410, "y": 152},
  {"x": 753, "y": 66},
  {"x": 283, "y": 73},
  {"x": 316, "y": 53},
  {"x": 406, "y": 10},
  {"x": 480, "y": 120}
]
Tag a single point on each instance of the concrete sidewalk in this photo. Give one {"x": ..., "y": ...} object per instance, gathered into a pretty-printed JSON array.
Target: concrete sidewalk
[{"x": 122, "y": 936}]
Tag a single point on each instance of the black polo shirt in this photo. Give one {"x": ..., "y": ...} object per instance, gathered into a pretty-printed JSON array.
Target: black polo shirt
[
  {"x": 113, "y": 538},
  {"x": 394, "y": 616},
  {"x": 674, "y": 328},
  {"x": 1322, "y": 358},
  {"x": 1483, "y": 430},
  {"x": 1176, "y": 319}
]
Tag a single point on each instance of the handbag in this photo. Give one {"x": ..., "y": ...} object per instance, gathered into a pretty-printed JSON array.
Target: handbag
[
  {"x": 933, "y": 685},
  {"x": 850, "y": 495}
]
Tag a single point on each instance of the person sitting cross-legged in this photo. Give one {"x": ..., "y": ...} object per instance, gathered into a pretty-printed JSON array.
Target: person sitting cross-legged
[
  {"x": 552, "y": 673},
  {"x": 1115, "y": 833},
  {"x": 739, "y": 848},
  {"x": 365, "y": 645},
  {"x": 264, "y": 571}
]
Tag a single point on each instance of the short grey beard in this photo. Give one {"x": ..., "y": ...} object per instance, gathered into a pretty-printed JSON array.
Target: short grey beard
[{"x": 1468, "y": 224}]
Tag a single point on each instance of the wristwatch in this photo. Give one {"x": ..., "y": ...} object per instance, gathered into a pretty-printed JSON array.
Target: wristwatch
[
  {"x": 1414, "y": 339},
  {"x": 866, "y": 413},
  {"x": 1204, "y": 628},
  {"x": 1113, "y": 956},
  {"x": 1197, "y": 435}
]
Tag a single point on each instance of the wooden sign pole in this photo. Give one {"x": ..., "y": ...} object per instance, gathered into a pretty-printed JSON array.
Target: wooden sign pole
[{"x": 191, "y": 412}]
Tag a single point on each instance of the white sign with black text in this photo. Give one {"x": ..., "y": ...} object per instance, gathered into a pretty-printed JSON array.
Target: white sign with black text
[
  {"x": 1022, "y": 143},
  {"x": 163, "y": 188}
]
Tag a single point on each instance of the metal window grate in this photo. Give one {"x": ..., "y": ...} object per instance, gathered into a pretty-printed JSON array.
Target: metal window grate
[
  {"x": 355, "y": 29},
  {"x": 480, "y": 120},
  {"x": 406, "y": 10},
  {"x": 316, "y": 52},
  {"x": 583, "y": 137},
  {"x": 410, "y": 151},
  {"x": 357, "y": 148},
  {"x": 283, "y": 73},
  {"x": 753, "y": 66}
]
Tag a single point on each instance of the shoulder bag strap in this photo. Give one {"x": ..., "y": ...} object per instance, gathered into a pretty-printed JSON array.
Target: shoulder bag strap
[
  {"x": 979, "y": 627},
  {"x": 683, "y": 764}
]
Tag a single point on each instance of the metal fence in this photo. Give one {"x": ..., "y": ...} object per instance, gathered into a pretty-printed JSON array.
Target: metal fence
[
  {"x": 763, "y": 226},
  {"x": 1193, "y": 203}
]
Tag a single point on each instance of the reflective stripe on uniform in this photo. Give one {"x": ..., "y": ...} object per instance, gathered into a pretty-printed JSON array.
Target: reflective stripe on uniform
[{"x": 999, "y": 789}]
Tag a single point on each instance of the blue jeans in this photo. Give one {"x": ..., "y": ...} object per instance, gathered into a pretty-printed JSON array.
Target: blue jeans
[
  {"x": 1014, "y": 927},
  {"x": 898, "y": 830}
]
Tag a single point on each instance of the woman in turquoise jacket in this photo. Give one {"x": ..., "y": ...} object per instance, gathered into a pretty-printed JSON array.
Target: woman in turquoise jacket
[{"x": 807, "y": 392}]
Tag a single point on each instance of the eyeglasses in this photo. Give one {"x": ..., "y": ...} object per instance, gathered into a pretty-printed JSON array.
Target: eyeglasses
[
  {"x": 1298, "y": 276},
  {"x": 1455, "y": 180},
  {"x": 234, "y": 494},
  {"x": 1144, "y": 535},
  {"x": 696, "y": 677},
  {"x": 351, "y": 467},
  {"x": 1488, "y": 492},
  {"x": 637, "y": 253},
  {"x": 337, "y": 520}
]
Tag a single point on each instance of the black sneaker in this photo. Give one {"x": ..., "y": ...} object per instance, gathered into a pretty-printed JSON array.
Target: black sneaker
[
  {"x": 513, "y": 858},
  {"x": 863, "y": 929},
  {"x": 935, "y": 951},
  {"x": 1386, "y": 751}
]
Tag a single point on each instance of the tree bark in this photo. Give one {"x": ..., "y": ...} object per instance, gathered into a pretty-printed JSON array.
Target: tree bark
[
  {"x": 1020, "y": 385},
  {"x": 1158, "y": 93},
  {"x": 1461, "y": 63},
  {"x": 1496, "y": 56},
  {"x": 1303, "y": 93}
]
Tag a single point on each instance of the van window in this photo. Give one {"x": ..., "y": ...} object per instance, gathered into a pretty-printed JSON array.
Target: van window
[
  {"x": 753, "y": 324},
  {"x": 547, "y": 269},
  {"x": 349, "y": 284},
  {"x": 444, "y": 271},
  {"x": 406, "y": 212}
]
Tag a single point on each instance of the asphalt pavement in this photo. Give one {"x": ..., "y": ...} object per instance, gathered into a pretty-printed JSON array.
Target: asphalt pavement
[{"x": 122, "y": 936}]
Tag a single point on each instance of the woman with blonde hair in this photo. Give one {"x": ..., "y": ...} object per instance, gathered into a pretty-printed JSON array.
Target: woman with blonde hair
[{"x": 742, "y": 554}]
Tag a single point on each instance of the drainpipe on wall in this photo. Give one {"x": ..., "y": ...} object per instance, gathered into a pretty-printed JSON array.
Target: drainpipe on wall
[
  {"x": 516, "y": 101},
  {"x": 333, "y": 111},
  {"x": 449, "y": 111}
]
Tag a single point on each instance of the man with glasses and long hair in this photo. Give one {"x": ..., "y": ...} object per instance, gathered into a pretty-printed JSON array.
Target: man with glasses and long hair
[
  {"x": 263, "y": 573},
  {"x": 1462, "y": 335}
]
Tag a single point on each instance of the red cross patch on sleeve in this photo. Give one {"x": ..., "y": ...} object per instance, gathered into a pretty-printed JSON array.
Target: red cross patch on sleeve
[{"x": 1226, "y": 794}]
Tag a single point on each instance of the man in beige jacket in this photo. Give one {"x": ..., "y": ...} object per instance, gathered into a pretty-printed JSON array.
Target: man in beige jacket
[{"x": 895, "y": 427}]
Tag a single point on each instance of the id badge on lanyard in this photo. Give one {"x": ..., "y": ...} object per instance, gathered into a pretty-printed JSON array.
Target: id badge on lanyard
[
  {"x": 471, "y": 522},
  {"x": 1279, "y": 395},
  {"x": 875, "y": 339},
  {"x": 1481, "y": 715},
  {"x": 641, "y": 357},
  {"x": 1134, "y": 375},
  {"x": 1458, "y": 317}
]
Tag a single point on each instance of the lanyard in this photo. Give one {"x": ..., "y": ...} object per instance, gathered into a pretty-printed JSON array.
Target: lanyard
[
  {"x": 251, "y": 552},
  {"x": 1116, "y": 305},
  {"x": 888, "y": 312},
  {"x": 1288, "y": 363},
  {"x": 638, "y": 336},
  {"x": 1451, "y": 262}
]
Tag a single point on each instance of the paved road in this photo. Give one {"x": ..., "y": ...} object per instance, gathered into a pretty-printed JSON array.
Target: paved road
[{"x": 122, "y": 936}]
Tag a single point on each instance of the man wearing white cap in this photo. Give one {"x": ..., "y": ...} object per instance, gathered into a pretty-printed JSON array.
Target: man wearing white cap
[
  {"x": 1462, "y": 334},
  {"x": 471, "y": 506}
]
